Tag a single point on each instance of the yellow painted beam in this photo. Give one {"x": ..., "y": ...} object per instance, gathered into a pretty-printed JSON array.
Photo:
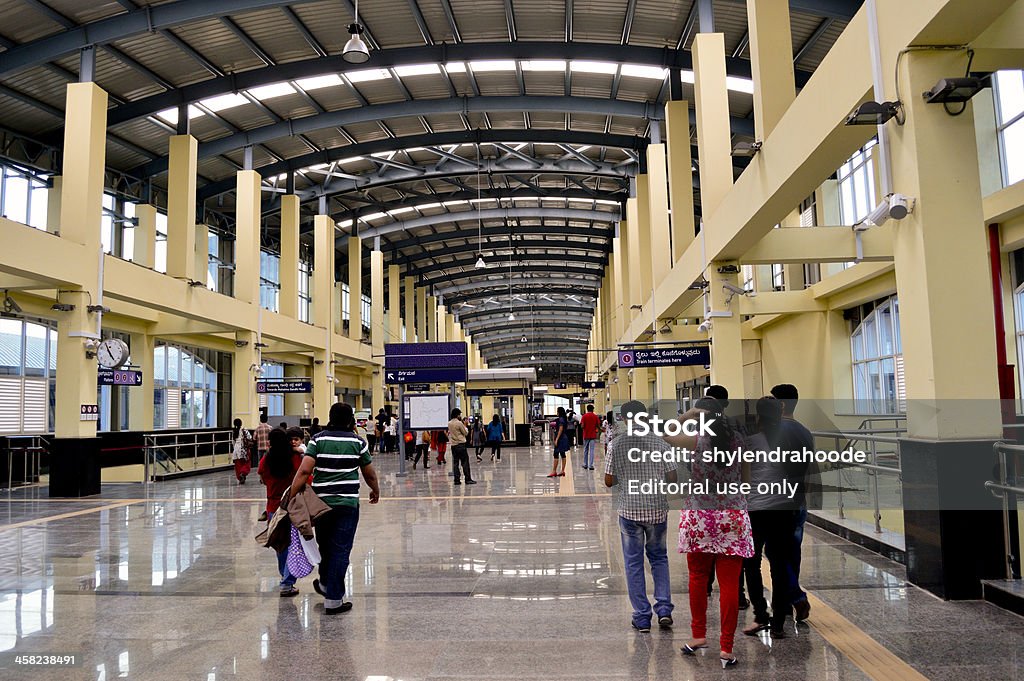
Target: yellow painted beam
[
  {"x": 713, "y": 132},
  {"x": 781, "y": 302},
  {"x": 355, "y": 288},
  {"x": 323, "y": 311},
  {"x": 378, "y": 332},
  {"x": 787, "y": 245}
]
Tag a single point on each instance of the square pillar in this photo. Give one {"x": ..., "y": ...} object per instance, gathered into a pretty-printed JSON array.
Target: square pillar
[
  {"x": 140, "y": 398},
  {"x": 145, "y": 236},
  {"x": 355, "y": 288},
  {"x": 296, "y": 404},
  {"x": 771, "y": 62},
  {"x": 247, "y": 237},
  {"x": 395, "y": 305},
  {"x": 643, "y": 214},
  {"x": 323, "y": 315},
  {"x": 713, "y": 132},
  {"x": 181, "y": 206},
  {"x": 202, "y": 255},
  {"x": 726, "y": 337},
  {"x": 680, "y": 175},
  {"x": 288, "y": 302},
  {"x": 410, "y": 310},
  {"x": 378, "y": 332},
  {"x": 620, "y": 293},
  {"x": 74, "y": 453},
  {"x": 657, "y": 211},
  {"x": 431, "y": 335},
  {"x": 53, "y": 205},
  {"x": 442, "y": 324},
  {"x": 421, "y": 315},
  {"x": 245, "y": 402}
]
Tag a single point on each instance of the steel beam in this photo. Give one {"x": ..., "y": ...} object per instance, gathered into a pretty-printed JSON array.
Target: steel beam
[
  {"x": 515, "y": 269},
  {"x": 526, "y": 311},
  {"x": 474, "y": 248},
  {"x": 491, "y": 214},
  {"x": 125, "y": 25},
  {"x": 491, "y": 233},
  {"x": 521, "y": 283}
]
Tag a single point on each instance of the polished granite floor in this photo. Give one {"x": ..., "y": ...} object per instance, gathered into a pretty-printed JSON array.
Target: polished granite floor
[{"x": 518, "y": 577}]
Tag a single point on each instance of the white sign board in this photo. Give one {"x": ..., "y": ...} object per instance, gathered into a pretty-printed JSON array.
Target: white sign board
[{"x": 428, "y": 412}]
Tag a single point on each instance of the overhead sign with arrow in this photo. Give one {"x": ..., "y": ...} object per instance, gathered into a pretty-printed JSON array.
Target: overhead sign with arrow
[{"x": 425, "y": 362}]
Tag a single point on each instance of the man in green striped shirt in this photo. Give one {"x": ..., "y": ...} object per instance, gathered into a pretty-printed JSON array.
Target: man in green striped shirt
[{"x": 335, "y": 456}]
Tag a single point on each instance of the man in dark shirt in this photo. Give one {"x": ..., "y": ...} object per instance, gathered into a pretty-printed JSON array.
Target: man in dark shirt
[{"x": 793, "y": 435}]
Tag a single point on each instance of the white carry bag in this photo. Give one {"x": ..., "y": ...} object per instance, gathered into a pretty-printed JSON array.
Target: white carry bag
[{"x": 310, "y": 548}]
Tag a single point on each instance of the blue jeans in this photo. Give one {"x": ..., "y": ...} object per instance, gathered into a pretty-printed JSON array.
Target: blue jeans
[
  {"x": 335, "y": 532},
  {"x": 794, "y": 566},
  {"x": 589, "y": 446},
  {"x": 287, "y": 578},
  {"x": 637, "y": 539}
]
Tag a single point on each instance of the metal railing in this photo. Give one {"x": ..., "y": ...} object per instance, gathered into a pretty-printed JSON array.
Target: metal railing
[
  {"x": 1003, "y": 488},
  {"x": 167, "y": 451},
  {"x": 872, "y": 438},
  {"x": 31, "y": 448}
]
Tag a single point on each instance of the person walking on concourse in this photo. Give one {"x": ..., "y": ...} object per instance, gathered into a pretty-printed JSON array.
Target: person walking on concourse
[
  {"x": 336, "y": 456},
  {"x": 643, "y": 521},
  {"x": 457, "y": 435}
]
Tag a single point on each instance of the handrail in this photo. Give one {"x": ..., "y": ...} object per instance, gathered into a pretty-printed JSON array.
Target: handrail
[
  {"x": 32, "y": 457},
  {"x": 1004, "y": 489},
  {"x": 873, "y": 437},
  {"x": 172, "y": 443}
]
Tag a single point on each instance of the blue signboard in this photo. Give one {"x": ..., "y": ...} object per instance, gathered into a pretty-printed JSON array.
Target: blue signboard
[
  {"x": 675, "y": 356},
  {"x": 284, "y": 385},
  {"x": 118, "y": 377},
  {"x": 424, "y": 375},
  {"x": 494, "y": 392},
  {"x": 425, "y": 362}
]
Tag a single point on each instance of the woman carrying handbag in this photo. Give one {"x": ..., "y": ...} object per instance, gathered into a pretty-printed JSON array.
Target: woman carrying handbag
[{"x": 241, "y": 445}]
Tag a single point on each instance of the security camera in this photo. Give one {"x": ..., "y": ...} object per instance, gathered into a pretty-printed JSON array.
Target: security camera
[
  {"x": 733, "y": 288},
  {"x": 10, "y": 305},
  {"x": 705, "y": 326},
  {"x": 894, "y": 206}
]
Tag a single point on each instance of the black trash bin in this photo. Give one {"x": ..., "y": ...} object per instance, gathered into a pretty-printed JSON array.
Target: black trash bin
[{"x": 522, "y": 435}]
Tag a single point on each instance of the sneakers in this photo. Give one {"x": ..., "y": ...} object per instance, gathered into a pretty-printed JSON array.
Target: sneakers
[
  {"x": 643, "y": 628},
  {"x": 344, "y": 607},
  {"x": 287, "y": 591},
  {"x": 665, "y": 621}
]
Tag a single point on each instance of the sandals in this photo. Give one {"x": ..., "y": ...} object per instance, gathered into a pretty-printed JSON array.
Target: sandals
[{"x": 687, "y": 649}]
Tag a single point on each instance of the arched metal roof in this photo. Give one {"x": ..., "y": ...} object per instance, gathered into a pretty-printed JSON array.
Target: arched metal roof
[{"x": 472, "y": 123}]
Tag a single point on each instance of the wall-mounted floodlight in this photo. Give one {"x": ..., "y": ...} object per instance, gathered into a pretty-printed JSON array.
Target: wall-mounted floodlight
[
  {"x": 746, "y": 149},
  {"x": 953, "y": 90},
  {"x": 873, "y": 113}
]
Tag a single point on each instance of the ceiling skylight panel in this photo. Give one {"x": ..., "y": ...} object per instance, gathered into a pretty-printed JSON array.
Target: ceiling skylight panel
[
  {"x": 222, "y": 102},
  {"x": 641, "y": 71},
  {"x": 417, "y": 70},
  {"x": 367, "y": 75},
  {"x": 544, "y": 65},
  {"x": 271, "y": 91},
  {"x": 486, "y": 65},
  {"x": 171, "y": 115},
  {"x": 602, "y": 67},
  {"x": 318, "y": 82}
]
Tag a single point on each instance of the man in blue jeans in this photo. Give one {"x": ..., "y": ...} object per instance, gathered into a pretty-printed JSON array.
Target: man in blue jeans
[
  {"x": 336, "y": 456},
  {"x": 643, "y": 519}
]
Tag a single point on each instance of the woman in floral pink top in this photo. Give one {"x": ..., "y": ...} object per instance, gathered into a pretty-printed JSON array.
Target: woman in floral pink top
[{"x": 714, "y": 532}]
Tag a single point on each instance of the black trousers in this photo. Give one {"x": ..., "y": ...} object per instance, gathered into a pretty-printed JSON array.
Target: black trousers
[
  {"x": 460, "y": 457},
  {"x": 495, "y": 448},
  {"x": 773, "y": 536},
  {"x": 422, "y": 450}
]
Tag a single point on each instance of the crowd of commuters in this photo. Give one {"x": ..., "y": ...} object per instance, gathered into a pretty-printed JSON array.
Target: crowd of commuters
[{"x": 721, "y": 534}]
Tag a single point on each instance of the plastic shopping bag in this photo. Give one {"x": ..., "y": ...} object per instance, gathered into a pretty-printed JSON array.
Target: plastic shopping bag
[
  {"x": 310, "y": 548},
  {"x": 298, "y": 565}
]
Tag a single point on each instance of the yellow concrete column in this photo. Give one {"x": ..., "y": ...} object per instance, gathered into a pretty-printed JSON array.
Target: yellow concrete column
[
  {"x": 323, "y": 313},
  {"x": 247, "y": 237},
  {"x": 726, "y": 339},
  {"x": 641, "y": 386},
  {"x": 633, "y": 253},
  {"x": 657, "y": 210},
  {"x": 181, "y": 206},
  {"x": 680, "y": 175},
  {"x": 145, "y": 236},
  {"x": 355, "y": 288},
  {"x": 643, "y": 214},
  {"x": 202, "y": 254},
  {"x": 620, "y": 293},
  {"x": 713, "y": 132},
  {"x": 449, "y": 328},
  {"x": 140, "y": 398},
  {"x": 394, "y": 306},
  {"x": 81, "y": 211},
  {"x": 771, "y": 62},
  {"x": 421, "y": 315},
  {"x": 410, "y": 310},
  {"x": 245, "y": 403},
  {"x": 337, "y": 294},
  {"x": 378, "y": 333},
  {"x": 431, "y": 320},
  {"x": 442, "y": 325},
  {"x": 53, "y": 205},
  {"x": 288, "y": 302},
  {"x": 295, "y": 403},
  {"x": 946, "y": 321}
]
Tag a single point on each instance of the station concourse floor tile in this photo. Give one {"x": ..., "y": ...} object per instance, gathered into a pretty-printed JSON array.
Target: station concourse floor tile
[{"x": 517, "y": 577}]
